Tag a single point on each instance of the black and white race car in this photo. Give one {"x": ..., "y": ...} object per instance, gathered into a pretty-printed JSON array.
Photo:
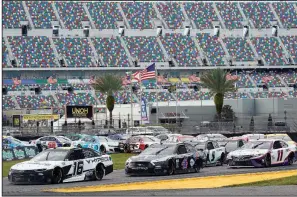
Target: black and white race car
[
  {"x": 165, "y": 159},
  {"x": 62, "y": 165}
]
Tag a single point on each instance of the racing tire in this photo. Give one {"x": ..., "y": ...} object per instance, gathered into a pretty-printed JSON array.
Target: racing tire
[
  {"x": 171, "y": 168},
  {"x": 57, "y": 176},
  {"x": 222, "y": 159},
  {"x": 102, "y": 149},
  {"x": 99, "y": 172},
  {"x": 79, "y": 146},
  {"x": 290, "y": 159},
  {"x": 267, "y": 161},
  {"x": 146, "y": 146},
  {"x": 197, "y": 167}
]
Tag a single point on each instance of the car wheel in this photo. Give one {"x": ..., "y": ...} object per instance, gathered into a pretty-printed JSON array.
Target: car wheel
[
  {"x": 57, "y": 176},
  {"x": 79, "y": 146},
  {"x": 99, "y": 172},
  {"x": 290, "y": 160},
  {"x": 102, "y": 149},
  {"x": 267, "y": 161},
  {"x": 171, "y": 168},
  {"x": 197, "y": 167}
]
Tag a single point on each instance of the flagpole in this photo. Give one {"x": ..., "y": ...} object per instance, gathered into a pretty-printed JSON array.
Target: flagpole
[
  {"x": 157, "y": 106},
  {"x": 131, "y": 99}
]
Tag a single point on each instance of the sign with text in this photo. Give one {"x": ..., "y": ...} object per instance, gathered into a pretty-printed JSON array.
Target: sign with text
[
  {"x": 19, "y": 153},
  {"x": 79, "y": 111},
  {"x": 143, "y": 110},
  {"x": 40, "y": 117}
]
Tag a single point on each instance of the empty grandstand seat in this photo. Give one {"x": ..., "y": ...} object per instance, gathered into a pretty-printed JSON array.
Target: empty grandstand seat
[
  {"x": 76, "y": 99},
  {"x": 202, "y": 13},
  {"x": 42, "y": 14},
  {"x": 259, "y": 13},
  {"x": 212, "y": 48},
  {"x": 32, "y": 51},
  {"x": 290, "y": 43},
  {"x": 104, "y": 14},
  {"x": 8, "y": 103},
  {"x": 112, "y": 52},
  {"x": 36, "y": 101},
  {"x": 286, "y": 13},
  {"x": 72, "y": 14},
  {"x": 171, "y": 12},
  {"x": 270, "y": 49},
  {"x": 139, "y": 14},
  {"x": 77, "y": 51},
  {"x": 239, "y": 49},
  {"x": 146, "y": 49},
  {"x": 13, "y": 13},
  {"x": 182, "y": 48},
  {"x": 230, "y": 14}
]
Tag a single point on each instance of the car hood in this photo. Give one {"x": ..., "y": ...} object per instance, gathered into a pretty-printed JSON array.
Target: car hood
[
  {"x": 31, "y": 165},
  {"x": 149, "y": 158},
  {"x": 247, "y": 152}
]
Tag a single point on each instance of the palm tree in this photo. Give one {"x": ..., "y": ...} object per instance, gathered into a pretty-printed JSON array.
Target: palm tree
[
  {"x": 108, "y": 84},
  {"x": 215, "y": 80}
]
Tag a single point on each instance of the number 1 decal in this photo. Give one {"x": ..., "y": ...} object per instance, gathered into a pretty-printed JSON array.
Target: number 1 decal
[{"x": 280, "y": 155}]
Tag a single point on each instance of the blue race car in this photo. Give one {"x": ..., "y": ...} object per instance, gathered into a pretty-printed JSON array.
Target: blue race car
[
  {"x": 11, "y": 142},
  {"x": 89, "y": 141}
]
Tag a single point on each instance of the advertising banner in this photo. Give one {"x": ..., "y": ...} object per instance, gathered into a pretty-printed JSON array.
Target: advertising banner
[
  {"x": 27, "y": 117},
  {"x": 143, "y": 110},
  {"x": 9, "y": 154},
  {"x": 16, "y": 120},
  {"x": 79, "y": 112}
]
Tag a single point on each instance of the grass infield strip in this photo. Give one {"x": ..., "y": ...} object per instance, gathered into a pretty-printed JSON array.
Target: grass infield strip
[{"x": 187, "y": 183}]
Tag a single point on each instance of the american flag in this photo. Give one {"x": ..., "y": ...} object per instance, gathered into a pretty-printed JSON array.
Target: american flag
[{"x": 148, "y": 73}]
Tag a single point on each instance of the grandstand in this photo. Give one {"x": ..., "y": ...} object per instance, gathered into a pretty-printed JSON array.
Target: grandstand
[{"x": 255, "y": 41}]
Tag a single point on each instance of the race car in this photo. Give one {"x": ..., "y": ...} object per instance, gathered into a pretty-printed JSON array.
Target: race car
[
  {"x": 139, "y": 143},
  {"x": 263, "y": 153},
  {"x": 281, "y": 136},
  {"x": 177, "y": 138},
  {"x": 213, "y": 137},
  {"x": 234, "y": 144},
  {"x": 62, "y": 165},
  {"x": 90, "y": 142},
  {"x": 214, "y": 153},
  {"x": 121, "y": 139},
  {"x": 75, "y": 137},
  {"x": 11, "y": 142},
  {"x": 52, "y": 141},
  {"x": 165, "y": 159}
]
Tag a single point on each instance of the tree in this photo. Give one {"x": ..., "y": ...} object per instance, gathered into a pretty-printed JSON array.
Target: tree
[
  {"x": 216, "y": 81},
  {"x": 252, "y": 124},
  {"x": 108, "y": 84},
  {"x": 228, "y": 115}
]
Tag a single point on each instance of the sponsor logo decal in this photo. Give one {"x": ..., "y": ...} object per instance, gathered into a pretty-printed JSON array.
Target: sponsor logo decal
[
  {"x": 185, "y": 163},
  {"x": 192, "y": 162}
]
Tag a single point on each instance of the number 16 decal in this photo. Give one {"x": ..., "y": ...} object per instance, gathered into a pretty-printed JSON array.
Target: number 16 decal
[
  {"x": 280, "y": 155},
  {"x": 78, "y": 168}
]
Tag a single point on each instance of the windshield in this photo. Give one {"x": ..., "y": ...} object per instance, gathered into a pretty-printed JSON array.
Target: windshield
[
  {"x": 200, "y": 146},
  {"x": 50, "y": 156},
  {"x": 62, "y": 139},
  {"x": 257, "y": 145},
  {"x": 15, "y": 141},
  {"x": 169, "y": 150},
  {"x": 186, "y": 138},
  {"x": 74, "y": 137},
  {"x": 230, "y": 146}
]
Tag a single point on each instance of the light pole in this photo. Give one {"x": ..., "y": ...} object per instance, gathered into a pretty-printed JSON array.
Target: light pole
[{"x": 131, "y": 97}]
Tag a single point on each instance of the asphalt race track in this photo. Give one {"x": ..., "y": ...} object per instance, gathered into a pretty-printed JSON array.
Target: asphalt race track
[{"x": 119, "y": 177}]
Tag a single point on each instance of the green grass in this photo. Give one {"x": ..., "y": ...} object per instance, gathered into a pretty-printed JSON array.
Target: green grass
[
  {"x": 118, "y": 162},
  {"x": 276, "y": 182}
]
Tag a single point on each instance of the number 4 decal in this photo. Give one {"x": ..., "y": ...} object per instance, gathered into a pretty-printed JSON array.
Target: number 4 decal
[
  {"x": 280, "y": 155},
  {"x": 78, "y": 168}
]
